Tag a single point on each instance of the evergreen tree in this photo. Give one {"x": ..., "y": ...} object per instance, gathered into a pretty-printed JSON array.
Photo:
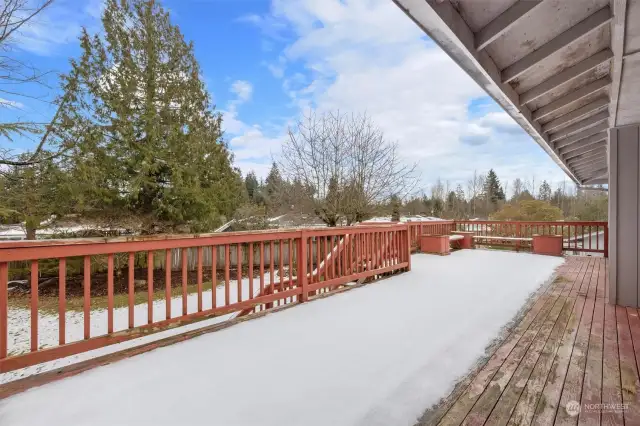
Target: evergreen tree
[
  {"x": 461, "y": 207},
  {"x": 492, "y": 189},
  {"x": 545, "y": 191},
  {"x": 252, "y": 185},
  {"x": 149, "y": 142},
  {"x": 32, "y": 195},
  {"x": 437, "y": 206},
  {"x": 452, "y": 203},
  {"x": 396, "y": 204}
]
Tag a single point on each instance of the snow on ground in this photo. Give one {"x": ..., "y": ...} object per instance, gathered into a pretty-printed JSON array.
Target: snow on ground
[
  {"x": 376, "y": 355},
  {"x": 404, "y": 219},
  {"x": 19, "y": 325}
]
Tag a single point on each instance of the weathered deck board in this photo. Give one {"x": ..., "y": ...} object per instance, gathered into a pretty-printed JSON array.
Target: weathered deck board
[
  {"x": 592, "y": 388},
  {"x": 611, "y": 391},
  {"x": 629, "y": 368},
  {"x": 570, "y": 346},
  {"x": 552, "y": 328}
]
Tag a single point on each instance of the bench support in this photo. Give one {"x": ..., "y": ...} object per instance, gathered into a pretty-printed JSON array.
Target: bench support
[
  {"x": 547, "y": 244},
  {"x": 435, "y": 244},
  {"x": 466, "y": 242}
]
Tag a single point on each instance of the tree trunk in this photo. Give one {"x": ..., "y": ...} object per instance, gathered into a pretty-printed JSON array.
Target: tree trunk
[
  {"x": 31, "y": 226},
  {"x": 31, "y": 233}
]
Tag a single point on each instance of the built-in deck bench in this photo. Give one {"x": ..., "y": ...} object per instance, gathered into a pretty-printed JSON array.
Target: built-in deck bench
[
  {"x": 441, "y": 244},
  {"x": 515, "y": 242}
]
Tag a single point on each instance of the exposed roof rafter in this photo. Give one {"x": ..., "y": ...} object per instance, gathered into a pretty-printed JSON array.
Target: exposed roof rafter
[
  {"x": 503, "y": 22},
  {"x": 570, "y": 98},
  {"x": 575, "y": 115},
  {"x": 601, "y": 136},
  {"x": 573, "y": 160},
  {"x": 585, "y": 149},
  {"x": 595, "y": 174},
  {"x": 581, "y": 135},
  {"x": 576, "y": 127},
  {"x": 566, "y": 76},
  {"x": 588, "y": 25},
  {"x": 591, "y": 166}
]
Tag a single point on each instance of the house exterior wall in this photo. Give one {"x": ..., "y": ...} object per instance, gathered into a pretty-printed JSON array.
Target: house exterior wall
[{"x": 624, "y": 215}]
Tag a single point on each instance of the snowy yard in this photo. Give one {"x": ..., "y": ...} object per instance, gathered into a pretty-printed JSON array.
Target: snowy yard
[{"x": 377, "y": 355}]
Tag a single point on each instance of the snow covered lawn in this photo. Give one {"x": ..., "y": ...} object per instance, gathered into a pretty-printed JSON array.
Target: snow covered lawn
[{"x": 377, "y": 355}]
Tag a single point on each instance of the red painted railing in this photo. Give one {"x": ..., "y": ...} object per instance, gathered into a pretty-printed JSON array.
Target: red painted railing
[
  {"x": 579, "y": 237},
  {"x": 308, "y": 262}
]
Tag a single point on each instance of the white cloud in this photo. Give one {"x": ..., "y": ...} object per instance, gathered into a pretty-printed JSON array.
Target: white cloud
[
  {"x": 242, "y": 89},
  {"x": 6, "y": 103},
  {"x": 366, "y": 55},
  {"x": 57, "y": 25}
]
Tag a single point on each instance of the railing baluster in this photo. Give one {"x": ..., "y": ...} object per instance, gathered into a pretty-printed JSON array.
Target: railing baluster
[
  {"x": 4, "y": 309},
  {"x": 326, "y": 257},
  {"x": 214, "y": 277},
  {"x": 150, "y": 265},
  {"x": 62, "y": 300},
  {"x": 87, "y": 296},
  {"x": 272, "y": 255},
  {"x": 131, "y": 288},
  {"x": 261, "y": 271},
  {"x": 227, "y": 278},
  {"x": 200, "y": 254},
  {"x": 291, "y": 262},
  {"x": 310, "y": 262},
  {"x": 167, "y": 283},
  {"x": 239, "y": 278},
  {"x": 281, "y": 264},
  {"x": 110, "y": 293},
  {"x": 317, "y": 268},
  {"x": 34, "y": 305},
  {"x": 184, "y": 271},
  {"x": 250, "y": 272}
]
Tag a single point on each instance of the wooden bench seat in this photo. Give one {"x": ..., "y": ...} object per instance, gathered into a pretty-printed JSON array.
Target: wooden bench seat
[
  {"x": 456, "y": 237},
  {"x": 480, "y": 237},
  {"x": 516, "y": 242}
]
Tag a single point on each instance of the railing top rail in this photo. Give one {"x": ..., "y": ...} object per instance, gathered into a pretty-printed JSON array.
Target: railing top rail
[
  {"x": 539, "y": 222},
  {"x": 42, "y": 249}
]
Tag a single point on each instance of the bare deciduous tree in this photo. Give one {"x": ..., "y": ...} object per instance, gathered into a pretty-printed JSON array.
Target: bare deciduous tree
[
  {"x": 348, "y": 163},
  {"x": 15, "y": 74}
]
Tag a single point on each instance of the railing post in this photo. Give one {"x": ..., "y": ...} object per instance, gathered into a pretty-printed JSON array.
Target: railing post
[
  {"x": 302, "y": 267},
  {"x": 409, "y": 249},
  {"x": 518, "y": 236},
  {"x": 606, "y": 239}
]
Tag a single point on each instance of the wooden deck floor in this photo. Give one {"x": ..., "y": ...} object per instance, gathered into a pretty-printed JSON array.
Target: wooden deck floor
[{"x": 570, "y": 345}]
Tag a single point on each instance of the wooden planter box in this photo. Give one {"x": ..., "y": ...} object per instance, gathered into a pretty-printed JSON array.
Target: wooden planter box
[
  {"x": 435, "y": 244},
  {"x": 547, "y": 244},
  {"x": 467, "y": 241}
]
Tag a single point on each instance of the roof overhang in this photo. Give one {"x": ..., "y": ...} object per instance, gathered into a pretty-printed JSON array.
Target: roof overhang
[{"x": 566, "y": 71}]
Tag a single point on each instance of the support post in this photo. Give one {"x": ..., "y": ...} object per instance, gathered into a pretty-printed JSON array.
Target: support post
[
  {"x": 624, "y": 216},
  {"x": 302, "y": 266}
]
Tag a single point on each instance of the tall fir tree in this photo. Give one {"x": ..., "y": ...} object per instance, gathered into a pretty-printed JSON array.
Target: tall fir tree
[
  {"x": 492, "y": 188},
  {"x": 252, "y": 185},
  {"x": 545, "y": 191},
  {"x": 148, "y": 140}
]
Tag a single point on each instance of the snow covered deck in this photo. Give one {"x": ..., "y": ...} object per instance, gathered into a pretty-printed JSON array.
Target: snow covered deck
[{"x": 377, "y": 355}]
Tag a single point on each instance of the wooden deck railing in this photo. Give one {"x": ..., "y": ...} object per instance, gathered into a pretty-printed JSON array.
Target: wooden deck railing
[
  {"x": 309, "y": 261},
  {"x": 580, "y": 237}
]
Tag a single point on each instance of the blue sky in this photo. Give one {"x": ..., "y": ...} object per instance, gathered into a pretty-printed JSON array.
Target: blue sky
[{"x": 266, "y": 62}]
